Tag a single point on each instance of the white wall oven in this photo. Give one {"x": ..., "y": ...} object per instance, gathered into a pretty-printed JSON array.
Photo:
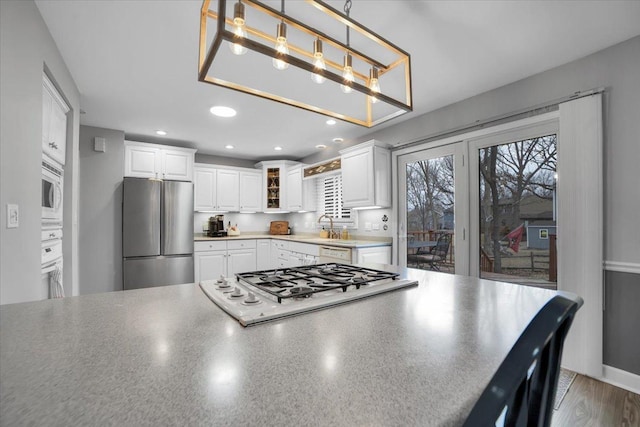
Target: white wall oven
[
  {"x": 52, "y": 265},
  {"x": 52, "y": 187}
]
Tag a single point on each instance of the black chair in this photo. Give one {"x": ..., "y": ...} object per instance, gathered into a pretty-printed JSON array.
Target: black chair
[
  {"x": 522, "y": 391},
  {"x": 435, "y": 256}
]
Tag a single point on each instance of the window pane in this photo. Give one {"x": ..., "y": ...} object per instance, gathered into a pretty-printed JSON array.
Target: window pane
[
  {"x": 430, "y": 214},
  {"x": 517, "y": 212}
]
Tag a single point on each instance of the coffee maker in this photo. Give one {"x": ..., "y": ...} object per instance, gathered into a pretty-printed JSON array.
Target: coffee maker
[{"x": 216, "y": 226}]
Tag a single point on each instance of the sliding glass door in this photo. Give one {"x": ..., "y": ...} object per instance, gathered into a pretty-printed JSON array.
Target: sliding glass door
[
  {"x": 513, "y": 183},
  {"x": 431, "y": 230}
]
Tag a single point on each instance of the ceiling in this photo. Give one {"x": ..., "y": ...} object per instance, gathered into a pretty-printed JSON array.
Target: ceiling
[{"x": 135, "y": 63}]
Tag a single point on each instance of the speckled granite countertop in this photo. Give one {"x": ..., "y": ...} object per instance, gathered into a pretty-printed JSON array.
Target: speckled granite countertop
[
  {"x": 169, "y": 356},
  {"x": 351, "y": 243}
]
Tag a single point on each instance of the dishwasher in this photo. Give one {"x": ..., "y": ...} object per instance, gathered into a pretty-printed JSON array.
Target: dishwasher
[{"x": 329, "y": 254}]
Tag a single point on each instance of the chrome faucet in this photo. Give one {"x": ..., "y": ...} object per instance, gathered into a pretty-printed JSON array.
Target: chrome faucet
[{"x": 331, "y": 232}]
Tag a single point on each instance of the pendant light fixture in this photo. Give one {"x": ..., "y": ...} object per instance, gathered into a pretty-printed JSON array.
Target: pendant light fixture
[
  {"x": 353, "y": 64},
  {"x": 238, "y": 29},
  {"x": 281, "y": 43},
  {"x": 318, "y": 61},
  {"x": 374, "y": 84},
  {"x": 347, "y": 74},
  {"x": 347, "y": 68}
]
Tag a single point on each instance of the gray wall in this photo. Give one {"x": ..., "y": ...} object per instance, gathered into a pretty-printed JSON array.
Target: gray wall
[
  {"x": 622, "y": 321},
  {"x": 226, "y": 161},
  {"x": 615, "y": 68},
  {"x": 100, "y": 222},
  {"x": 26, "y": 48}
]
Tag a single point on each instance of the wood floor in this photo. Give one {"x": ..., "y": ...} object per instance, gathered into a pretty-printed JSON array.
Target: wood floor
[{"x": 593, "y": 403}]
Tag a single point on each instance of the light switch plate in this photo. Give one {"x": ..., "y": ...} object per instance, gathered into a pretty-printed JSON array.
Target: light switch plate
[
  {"x": 13, "y": 216},
  {"x": 100, "y": 144}
]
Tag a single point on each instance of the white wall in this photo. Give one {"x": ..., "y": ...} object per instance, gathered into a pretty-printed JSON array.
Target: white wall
[
  {"x": 308, "y": 222},
  {"x": 247, "y": 223},
  {"x": 26, "y": 48}
]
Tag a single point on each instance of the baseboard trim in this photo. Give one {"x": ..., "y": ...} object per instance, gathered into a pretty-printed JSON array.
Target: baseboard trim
[
  {"x": 619, "y": 378},
  {"x": 623, "y": 267}
]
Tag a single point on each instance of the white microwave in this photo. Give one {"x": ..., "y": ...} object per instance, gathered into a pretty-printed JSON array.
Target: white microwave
[{"x": 52, "y": 186}]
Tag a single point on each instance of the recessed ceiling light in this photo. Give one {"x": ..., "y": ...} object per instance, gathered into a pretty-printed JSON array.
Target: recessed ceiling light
[
  {"x": 321, "y": 146},
  {"x": 277, "y": 148},
  {"x": 161, "y": 132},
  {"x": 338, "y": 140},
  {"x": 229, "y": 147},
  {"x": 331, "y": 122},
  {"x": 222, "y": 111}
]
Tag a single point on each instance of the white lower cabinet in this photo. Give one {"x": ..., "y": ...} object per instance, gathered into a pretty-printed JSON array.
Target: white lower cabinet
[
  {"x": 241, "y": 256},
  {"x": 380, "y": 254},
  {"x": 263, "y": 252},
  {"x": 213, "y": 259},
  {"x": 280, "y": 254}
]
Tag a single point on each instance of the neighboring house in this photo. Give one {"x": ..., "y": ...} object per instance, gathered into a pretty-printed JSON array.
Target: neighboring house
[{"x": 539, "y": 233}]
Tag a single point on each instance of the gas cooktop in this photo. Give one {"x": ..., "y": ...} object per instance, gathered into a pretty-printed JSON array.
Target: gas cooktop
[{"x": 260, "y": 296}]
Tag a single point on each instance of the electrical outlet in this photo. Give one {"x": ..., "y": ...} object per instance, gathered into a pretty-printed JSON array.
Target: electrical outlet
[
  {"x": 13, "y": 216},
  {"x": 376, "y": 227},
  {"x": 367, "y": 226}
]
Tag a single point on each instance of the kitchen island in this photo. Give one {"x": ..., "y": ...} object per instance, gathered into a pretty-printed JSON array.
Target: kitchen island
[{"x": 169, "y": 356}]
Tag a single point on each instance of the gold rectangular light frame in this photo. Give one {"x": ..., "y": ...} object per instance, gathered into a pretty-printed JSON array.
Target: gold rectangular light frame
[{"x": 206, "y": 57}]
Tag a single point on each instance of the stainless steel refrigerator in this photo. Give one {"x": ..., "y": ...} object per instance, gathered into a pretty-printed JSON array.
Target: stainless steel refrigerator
[{"x": 157, "y": 232}]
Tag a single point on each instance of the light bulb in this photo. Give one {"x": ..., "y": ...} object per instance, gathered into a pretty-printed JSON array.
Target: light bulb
[
  {"x": 236, "y": 48},
  {"x": 347, "y": 74},
  {"x": 238, "y": 29},
  {"x": 318, "y": 61},
  {"x": 281, "y": 47},
  {"x": 374, "y": 83}
]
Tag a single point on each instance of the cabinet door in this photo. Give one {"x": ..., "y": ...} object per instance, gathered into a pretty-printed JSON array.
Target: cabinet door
[
  {"x": 228, "y": 190},
  {"x": 263, "y": 259},
  {"x": 241, "y": 261},
  {"x": 141, "y": 162},
  {"x": 47, "y": 99},
  {"x": 380, "y": 255},
  {"x": 357, "y": 178},
  {"x": 250, "y": 191},
  {"x": 294, "y": 189},
  {"x": 177, "y": 165},
  {"x": 58, "y": 132},
  {"x": 273, "y": 190},
  {"x": 204, "y": 189},
  {"x": 209, "y": 265}
]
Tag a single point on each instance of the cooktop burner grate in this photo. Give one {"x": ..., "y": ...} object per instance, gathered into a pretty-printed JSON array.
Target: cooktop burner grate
[{"x": 304, "y": 281}]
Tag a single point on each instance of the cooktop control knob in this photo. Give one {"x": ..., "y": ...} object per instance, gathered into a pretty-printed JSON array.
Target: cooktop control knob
[
  {"x": 237, "y": 293},
  {"x": 251, "y": 299}
]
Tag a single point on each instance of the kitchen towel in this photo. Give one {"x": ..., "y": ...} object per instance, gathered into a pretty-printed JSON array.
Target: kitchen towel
[{"x": 55, "y": 283}]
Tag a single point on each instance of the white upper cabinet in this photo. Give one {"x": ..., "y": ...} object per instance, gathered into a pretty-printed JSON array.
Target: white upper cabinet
[
  {"x": 366, "y": 175},
  {"x": 143, "y": 160},
  {"x": 294, "y": 189},
  {"x": 274, "y": 184},
  {"x": 216, "y": 189},
  {"x": 228, "y": 190},
  {"x": 301, "y": 194},
  {"x": 250, "y": 191},
  {"x": 54, "y": 122},
  {"x": 204, "y": 189},
  {"x": 177, "y": 165}
]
